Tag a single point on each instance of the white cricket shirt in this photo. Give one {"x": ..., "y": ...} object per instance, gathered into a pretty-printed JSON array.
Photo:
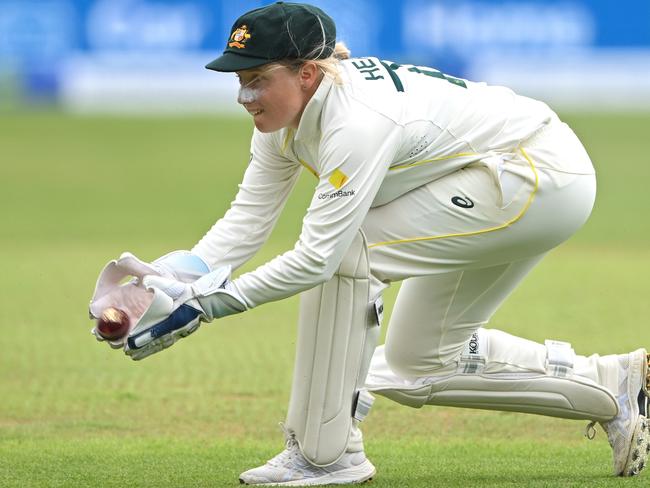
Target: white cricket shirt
[{"x": 385, "y": 130}]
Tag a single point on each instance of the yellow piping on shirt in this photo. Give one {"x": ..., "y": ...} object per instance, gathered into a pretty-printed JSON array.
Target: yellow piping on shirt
[
  {"x": 425, "y": 161},
  {"x": 285, "y": 144},
  {"x": 286, "y": 140},
  {"x": 477, "y": 232},
  {"x": 309, "y": 168}
]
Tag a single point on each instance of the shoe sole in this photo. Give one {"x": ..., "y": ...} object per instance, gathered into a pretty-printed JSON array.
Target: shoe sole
[
  {"x": 350, "y": 476},
  {"x": 640, "y": 445}
]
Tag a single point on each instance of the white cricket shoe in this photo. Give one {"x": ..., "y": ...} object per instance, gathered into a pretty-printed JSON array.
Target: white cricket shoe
[
  {"x": 629, "y": 431},
  {"x": 290, "y": 468}
]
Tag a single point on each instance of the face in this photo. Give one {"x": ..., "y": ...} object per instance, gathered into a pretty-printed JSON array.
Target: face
[{"x": 275, "y": 95}]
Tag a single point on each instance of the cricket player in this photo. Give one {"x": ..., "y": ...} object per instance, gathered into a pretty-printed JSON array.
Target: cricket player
[{"x": 456, "y": 188}]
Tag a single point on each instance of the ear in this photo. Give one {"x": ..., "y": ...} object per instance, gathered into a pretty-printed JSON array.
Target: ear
[{"x": 309, "y": 75}]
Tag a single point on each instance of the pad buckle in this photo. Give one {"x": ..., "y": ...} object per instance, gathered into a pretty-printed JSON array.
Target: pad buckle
[
  {"x": 362, "y": 405},
  {"x": 559, "y": 358}
]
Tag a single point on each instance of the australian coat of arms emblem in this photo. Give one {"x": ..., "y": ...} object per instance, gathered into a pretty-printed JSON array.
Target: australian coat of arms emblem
[{"x": 239, "y": 37}]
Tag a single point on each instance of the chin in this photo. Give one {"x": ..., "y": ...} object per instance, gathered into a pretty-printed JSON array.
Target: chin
[{"x": 265, "y": 128}]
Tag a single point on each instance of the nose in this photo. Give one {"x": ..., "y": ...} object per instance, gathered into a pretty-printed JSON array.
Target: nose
[{"x": 246, "y": 95}]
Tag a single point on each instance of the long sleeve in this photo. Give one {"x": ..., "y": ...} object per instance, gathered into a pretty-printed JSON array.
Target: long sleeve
[
  {"x": 354, "y": 154},
  {"x": 266, "y": 185}
]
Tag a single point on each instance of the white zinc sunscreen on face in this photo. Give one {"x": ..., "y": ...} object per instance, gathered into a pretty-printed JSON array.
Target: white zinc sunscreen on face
[{"x": 248, "y": 95}]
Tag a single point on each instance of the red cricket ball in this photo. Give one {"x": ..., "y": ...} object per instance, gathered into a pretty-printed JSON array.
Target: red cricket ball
[{"x": 113, "y": 324}]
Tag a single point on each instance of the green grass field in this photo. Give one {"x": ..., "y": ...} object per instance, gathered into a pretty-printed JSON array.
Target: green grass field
[{"x": 77, "y": 191}]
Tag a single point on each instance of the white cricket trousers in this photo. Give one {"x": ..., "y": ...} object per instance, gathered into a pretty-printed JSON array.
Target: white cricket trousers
[{"x": 461, "y": 244}]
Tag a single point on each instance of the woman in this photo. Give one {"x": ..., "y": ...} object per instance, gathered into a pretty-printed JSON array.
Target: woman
[{"x": 454, "y": 187}]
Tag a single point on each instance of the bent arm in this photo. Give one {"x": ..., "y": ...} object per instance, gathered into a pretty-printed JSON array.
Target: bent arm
[
  {"x": 266, "y": 185},
  {"x": 354, "y": 157}
]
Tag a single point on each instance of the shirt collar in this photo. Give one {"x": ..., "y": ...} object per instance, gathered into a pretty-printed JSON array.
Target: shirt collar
[{"x": 309, "y": 125}]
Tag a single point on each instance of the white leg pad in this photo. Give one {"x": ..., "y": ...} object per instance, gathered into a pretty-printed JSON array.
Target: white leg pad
[
  {"x": 338, "y": 328},
  {"x": 477, "y": 383}
]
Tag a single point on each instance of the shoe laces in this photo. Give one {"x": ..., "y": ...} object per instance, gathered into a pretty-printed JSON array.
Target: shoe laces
[
  {"x": 290, "y": 436},
  {"x": 291, "y": 449}
]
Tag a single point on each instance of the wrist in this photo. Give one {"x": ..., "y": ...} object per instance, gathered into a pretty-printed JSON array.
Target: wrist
[
  {"x": 182, "y": 265},
  {"x": 217, "y": 295}
]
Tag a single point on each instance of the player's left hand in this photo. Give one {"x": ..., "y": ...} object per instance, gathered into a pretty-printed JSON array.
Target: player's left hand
[{"x": 179, "y": 308}]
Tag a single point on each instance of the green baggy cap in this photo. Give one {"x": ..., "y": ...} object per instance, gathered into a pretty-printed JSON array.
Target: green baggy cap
[{"x": 275, "y": 32}]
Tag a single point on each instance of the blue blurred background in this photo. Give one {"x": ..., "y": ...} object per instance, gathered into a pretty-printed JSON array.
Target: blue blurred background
[{"x": 148, "y": 55}]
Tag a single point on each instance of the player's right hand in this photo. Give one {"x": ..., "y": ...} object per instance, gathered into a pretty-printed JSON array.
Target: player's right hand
[{"x": 131, "y": 296}]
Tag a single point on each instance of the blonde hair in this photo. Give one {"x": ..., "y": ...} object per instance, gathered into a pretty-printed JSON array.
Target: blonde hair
[
  {"x": 327, "y": 66},
  {"x": 330, "y": 65}
]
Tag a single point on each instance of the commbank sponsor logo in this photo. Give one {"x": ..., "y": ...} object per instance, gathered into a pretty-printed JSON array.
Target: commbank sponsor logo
[{"x": 337, "y": 194}]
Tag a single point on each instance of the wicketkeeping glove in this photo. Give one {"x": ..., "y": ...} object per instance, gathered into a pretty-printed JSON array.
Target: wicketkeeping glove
[
  {"x": 131, "y": 297},
  {"x": 178, "y": 309}
]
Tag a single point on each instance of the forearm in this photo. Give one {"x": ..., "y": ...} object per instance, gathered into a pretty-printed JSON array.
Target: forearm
[
  {"x": 282, "y": 277},
  {"x": 236, "y": 237},
  {"x": 328, "y": 230}
]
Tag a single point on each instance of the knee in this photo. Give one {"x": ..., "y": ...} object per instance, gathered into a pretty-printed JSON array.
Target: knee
[
  {"x": 394, "y": 358},
  {"x": 407, "y": 363}
]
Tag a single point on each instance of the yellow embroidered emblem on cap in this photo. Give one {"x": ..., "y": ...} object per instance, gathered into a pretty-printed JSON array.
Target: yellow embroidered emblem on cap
[
  {"x": 338, "y": 178},
  {"x": 239, "y": 37}
]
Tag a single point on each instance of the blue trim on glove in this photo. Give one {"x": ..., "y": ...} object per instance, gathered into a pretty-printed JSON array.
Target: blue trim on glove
[{"x": 178, "y": 319}]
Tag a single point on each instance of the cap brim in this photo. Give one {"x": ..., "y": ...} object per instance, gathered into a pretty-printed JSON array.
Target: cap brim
[{"x": 229, "y": 62}]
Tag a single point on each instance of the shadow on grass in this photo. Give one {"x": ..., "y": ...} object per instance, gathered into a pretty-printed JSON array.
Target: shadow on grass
[{"x": 170, "y": 462}]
